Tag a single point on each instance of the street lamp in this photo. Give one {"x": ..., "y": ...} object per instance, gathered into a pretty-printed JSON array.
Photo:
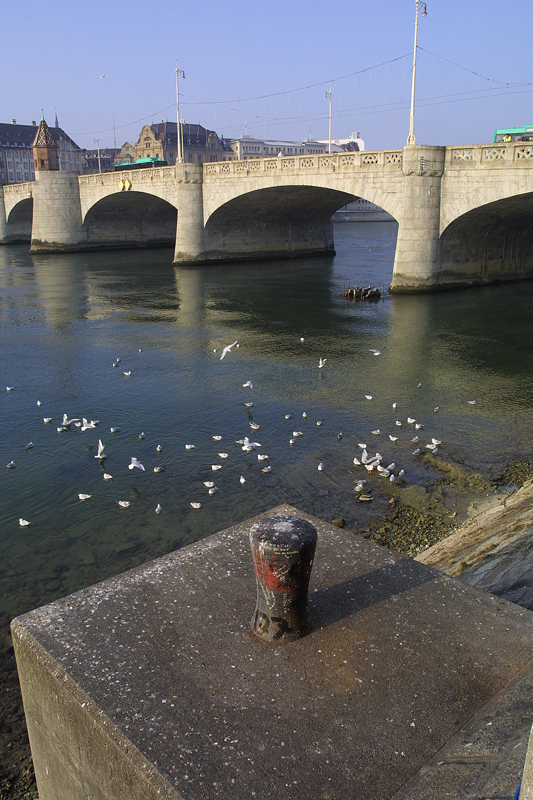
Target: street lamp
[
  {"x": 180, "y": 143},
  {"x": 411, "y": 137},
  {"x": 328, "y": 94},
  {"x": 97, "y": 143}
]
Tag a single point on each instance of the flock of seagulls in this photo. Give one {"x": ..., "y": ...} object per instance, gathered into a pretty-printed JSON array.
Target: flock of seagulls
[{"x": 363, "y": 460}]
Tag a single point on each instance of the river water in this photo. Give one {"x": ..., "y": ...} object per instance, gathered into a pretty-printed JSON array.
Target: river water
[{"x": 65, "y": 320}]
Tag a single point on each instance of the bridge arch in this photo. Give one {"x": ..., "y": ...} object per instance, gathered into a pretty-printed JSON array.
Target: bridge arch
[
  {"x": 491, "y": 242},
  {"x": 130, "y": 219},
  {"x": 19, "y": 221}
]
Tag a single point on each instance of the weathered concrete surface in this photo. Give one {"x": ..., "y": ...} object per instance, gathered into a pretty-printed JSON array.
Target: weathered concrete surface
[
  {"x": 159, "y": 669},
  {"x": 16, "y": 211},
  {"x": 494, "y": 549}
]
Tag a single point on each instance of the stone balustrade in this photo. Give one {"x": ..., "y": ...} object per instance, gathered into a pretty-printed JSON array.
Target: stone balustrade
[{"x": 330, "y": 162}]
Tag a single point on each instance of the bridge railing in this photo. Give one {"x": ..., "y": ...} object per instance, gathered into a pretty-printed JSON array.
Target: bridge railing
[
  {"x": 138, "y": 175},
  {"x": 485, "y": 155},
  {"x": 19, "y": 188},
  {"x": 302, "y": 163}
]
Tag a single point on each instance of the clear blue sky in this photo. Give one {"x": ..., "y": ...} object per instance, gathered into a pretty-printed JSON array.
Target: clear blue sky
[{"x": 234, "y": 55}]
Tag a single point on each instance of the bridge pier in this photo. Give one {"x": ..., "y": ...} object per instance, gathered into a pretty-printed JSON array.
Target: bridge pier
[
  {"x": 190, "y": 234},
  {"x": 416, "y": 263},
  {"x": 57, "y": 222}
]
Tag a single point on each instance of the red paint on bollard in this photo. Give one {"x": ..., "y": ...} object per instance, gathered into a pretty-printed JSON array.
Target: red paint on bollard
[{"x": 283, "y": 549}]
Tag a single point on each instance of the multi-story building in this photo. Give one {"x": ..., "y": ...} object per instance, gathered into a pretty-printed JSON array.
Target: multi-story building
[
  {"x": 160, "y": 140},
  {"x": 16, "y": 156},
  {"x": 246, "y": 147}
]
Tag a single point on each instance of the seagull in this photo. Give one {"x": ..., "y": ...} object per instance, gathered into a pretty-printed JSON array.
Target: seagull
[
  {"x": 107, "y": 476},
  {"x": 209, "y": 484},
  {"x": 9, "y": 388},
  {"x": 472, "y": 402},
  {"x": 61, "y": 428},
  {"x": 77, "y": 424},
  {"x": 23, "y": 522},
  {"x": 267, "y": 469},
  {"x": 419, "y": 385},
  {"x": 395, "y": 405},
  {"x": 227, "y": 349},
  {"x": 29, "y": 446},
  {"x": 248, "y": 405},
  {"x": 415, "y": 439},
  {"x": 392, "y": 479},
  {"x": 242, "y": 479},
  {"x": 418, "y": 426},
  {"x": 302, "y": 339},
  {"x": 262, "y": 457},
  {"x": 114, "y": 430},
  {"x": 339, "y": 436},
  {"x": 376, "y": 352},
  {"x": 321, "y": 362},
  {"x": 398, "y": 423},
  {"x": 124, "y": 503},
  {"x": 393, "y": 438},
  {"x": 222, "y": 455},
  {"x": 38, "y": 402},
  {"x": 159, "y": 507},
  {"x": 248, "y": 385},
  {"x": 142, "y": 435},
  {"x": 68, "y": 422},
  {"x": 189, "y": 446},
  {"x": 436, "y": 409},
  {"x": 128, "y": 373},
  {"x": 304, "y": 415},
  {"x": 320, "y": 467},
  {"x": 103, "y": 76},
  {"x": 401, "y": 473},
  {"x": 376, "y": 432},
  {"x": 369, "y": 467},
  {"x": 391, "y": 466},
  {"x": 410, "y": 420},
  {"x": 84, "y": 496},
  {"x": 320, "y": 422},
  {"x": 254, "y": 426},
  {"x": 417, "y": 451},
  {"x": 248, "y": 445},
  {"x": 216, "y": 467},
  {"x": 288, "y": 416},
  {"x": 157, "y": 470},
  {"x": 217, "y": 438},
  {"x": 384, "y": 473},
  {"x": 135, "y": 463},
  {"x": 118, "y": 360},
  {"x": 357, "y": 462},
  {"x": 159, "y": 448},
  {"x": 86, "y": 424},
  {"x": 46, "y": 420},
  {"x": 362, "y": 446},
  {"x": 95, "y": 422},
  {"x": 11, "y": 465},
  {"x": 436, "y": 441},
  {"x": 292, "y": 441},
  {"x": 368, "y": 396},
  {"x": 140, "y": 349},
  {"x": 196, "y": 505},
  {"x": 100, "y": 454},
  {"x": 213, "y": 489},
  {"x": 297, "y": 433}
]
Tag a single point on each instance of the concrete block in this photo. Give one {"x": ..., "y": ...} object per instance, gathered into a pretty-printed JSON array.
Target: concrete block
[{"x": 159, "y": 671}]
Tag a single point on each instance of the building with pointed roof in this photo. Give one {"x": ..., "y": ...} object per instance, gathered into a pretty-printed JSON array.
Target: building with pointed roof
[{"x": 16, "y": 151}]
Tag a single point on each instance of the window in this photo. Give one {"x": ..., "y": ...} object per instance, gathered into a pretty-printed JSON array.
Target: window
[{"x": 42, "y": 162}]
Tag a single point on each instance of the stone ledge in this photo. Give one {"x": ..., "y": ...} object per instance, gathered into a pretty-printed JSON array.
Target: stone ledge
[{"x": 159, "y": 667}]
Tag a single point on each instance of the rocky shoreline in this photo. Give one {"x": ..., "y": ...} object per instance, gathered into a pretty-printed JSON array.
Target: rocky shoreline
[{"x": 478, "y": 527}]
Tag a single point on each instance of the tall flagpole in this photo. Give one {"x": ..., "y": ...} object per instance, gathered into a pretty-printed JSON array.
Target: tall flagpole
[{"x": 411, "y": 137}]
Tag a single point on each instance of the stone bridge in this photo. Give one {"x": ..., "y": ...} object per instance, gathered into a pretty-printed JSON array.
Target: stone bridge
[{"x": 465, "y": 214}]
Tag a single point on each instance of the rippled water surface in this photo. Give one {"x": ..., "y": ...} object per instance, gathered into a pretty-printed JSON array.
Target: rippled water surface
[{"x": 64, "y": 321}]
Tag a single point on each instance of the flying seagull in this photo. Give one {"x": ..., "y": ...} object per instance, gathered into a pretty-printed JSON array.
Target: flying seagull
[
  {"x": 227, "y": 349},
  {"x": 135, "y": 463}
]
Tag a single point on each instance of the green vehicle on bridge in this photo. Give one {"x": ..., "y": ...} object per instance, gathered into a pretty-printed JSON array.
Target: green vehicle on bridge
[{"x": 514, "y": 134}]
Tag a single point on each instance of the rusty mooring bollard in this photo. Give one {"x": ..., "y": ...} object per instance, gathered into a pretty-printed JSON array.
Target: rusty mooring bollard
[{"x": 283, "y": 548}]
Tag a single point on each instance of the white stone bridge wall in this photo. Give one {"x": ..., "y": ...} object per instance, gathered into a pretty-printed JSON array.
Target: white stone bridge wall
[{"x": 464, "y": 213}]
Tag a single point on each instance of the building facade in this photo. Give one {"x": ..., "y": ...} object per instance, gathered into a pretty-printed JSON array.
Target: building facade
[
  {"x": 16, "y": 155},
  {"x": 246, "y": 147},
  {"x": 160, "y": 140},
  {"x": 102, "y": 160}
]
